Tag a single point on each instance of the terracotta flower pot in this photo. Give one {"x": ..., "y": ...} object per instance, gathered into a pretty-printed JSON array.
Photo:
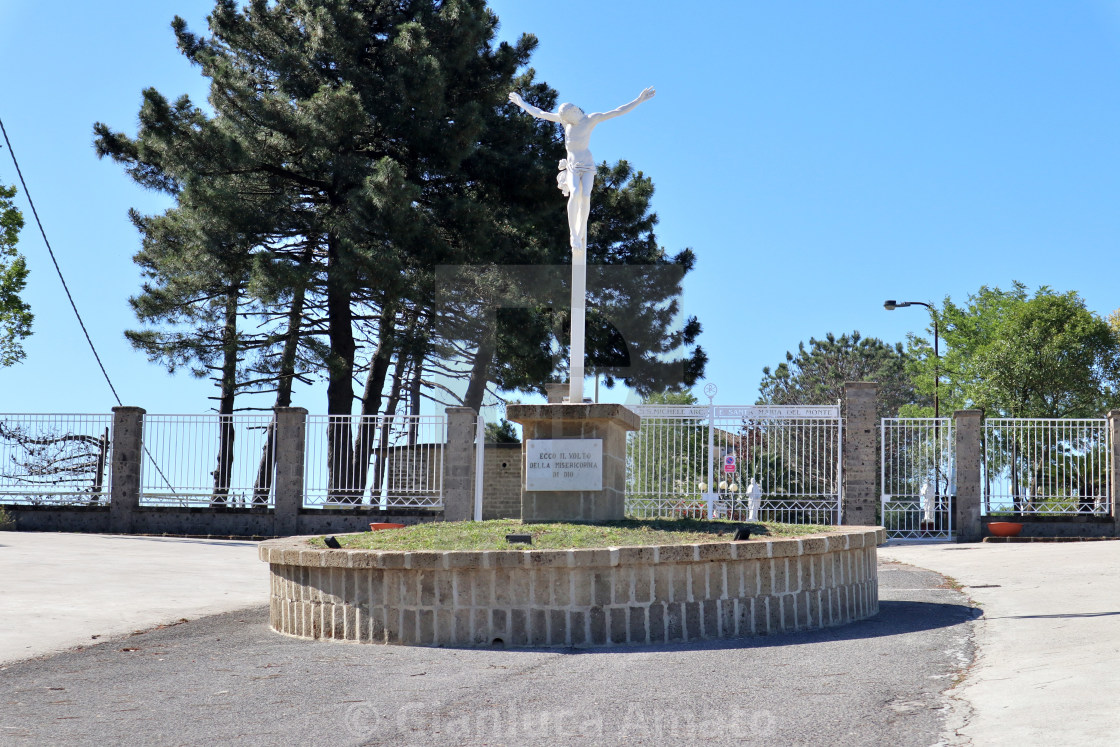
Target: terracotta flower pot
[
  {"x": 374, "y": 526},
  {"x": 1005, "y": 528}
]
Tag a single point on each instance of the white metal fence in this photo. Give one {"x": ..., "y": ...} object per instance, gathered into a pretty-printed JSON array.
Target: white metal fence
[
  {"x": 382, "y": 461},
  {"x": 1046, "y": 466},
  {"x": 688, "y": 460},
  {"x": 208, "y": 460},
  {"x": 53, "y": 459},
  {"x": 667, "y": 465},
  {"x": 917, "y": 473}
]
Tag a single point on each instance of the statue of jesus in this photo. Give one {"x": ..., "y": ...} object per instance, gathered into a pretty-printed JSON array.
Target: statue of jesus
[{"x": 577, "y": 171}]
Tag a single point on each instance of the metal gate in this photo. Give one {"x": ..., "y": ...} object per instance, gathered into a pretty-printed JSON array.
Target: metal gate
[
  {"x": 918, "y": 479},
  {"x": 1047, "y": 466},
  {"x": 747, "y": 463}
]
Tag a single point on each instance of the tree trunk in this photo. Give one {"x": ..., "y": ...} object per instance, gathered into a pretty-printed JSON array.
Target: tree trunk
[
  {"x": 371, "y": 398},
  {"x": 480, "y": 370},
  {"x": 414, "y": 395},
  {"x": 99, "y": 473},
  {"x": 224, "y": 469},
  {"x": 262, "y": 485},
  {"x": 340, "y": 373},
  {"x": 386, "y": 424}
]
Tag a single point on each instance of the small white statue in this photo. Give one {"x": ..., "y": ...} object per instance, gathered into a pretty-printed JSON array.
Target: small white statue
[
  {"x": 577, "y": 171},
  {"x": 928, "y": 502},
  {"x": 754, "y": 496}
]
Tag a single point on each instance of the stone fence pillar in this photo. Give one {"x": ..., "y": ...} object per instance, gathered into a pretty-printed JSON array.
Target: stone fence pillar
[
  {"x": 291, "y": 442},
  {"x": 967, "y": 426},
  {"x": 861, "y": 455},
  {"x": 124, "y": 480},
  {"x": 458, "y": 464},
  {"x": 1114, "y": 473}
]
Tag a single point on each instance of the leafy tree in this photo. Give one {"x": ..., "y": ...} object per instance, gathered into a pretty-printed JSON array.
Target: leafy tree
[
  {"x": 670, "y": 397},
  {"x": 1020, "y": 355},
  {"x": 816, "y": 375},
  {"x": 15, "y": 315},
  {"x": 502, "y": 432}
]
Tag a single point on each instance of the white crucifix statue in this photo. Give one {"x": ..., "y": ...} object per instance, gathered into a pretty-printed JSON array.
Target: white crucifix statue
[{"x": 576, "y": 178}]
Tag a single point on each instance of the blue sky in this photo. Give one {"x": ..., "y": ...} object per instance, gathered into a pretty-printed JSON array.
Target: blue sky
[{"x": 819, "y": 157}]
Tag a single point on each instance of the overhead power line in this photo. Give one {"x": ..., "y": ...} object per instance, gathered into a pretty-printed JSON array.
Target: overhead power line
[
  {"x": 74, "y": 306},
  {"x": 57, "y": 269}
]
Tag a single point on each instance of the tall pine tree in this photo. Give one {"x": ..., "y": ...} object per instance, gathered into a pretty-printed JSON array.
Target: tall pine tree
[{"x": 351, "y": 147}]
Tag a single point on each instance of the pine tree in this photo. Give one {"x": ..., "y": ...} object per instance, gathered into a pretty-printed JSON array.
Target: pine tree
[
  {"x": 349, "y": 149},
  {"x": 356, "y": 118},
  {"x": 816, "y": 374},
  {"x": 15, "y": 315}
]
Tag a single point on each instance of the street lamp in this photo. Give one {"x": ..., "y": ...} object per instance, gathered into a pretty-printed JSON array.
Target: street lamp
[{"x": 891, "y": 306}]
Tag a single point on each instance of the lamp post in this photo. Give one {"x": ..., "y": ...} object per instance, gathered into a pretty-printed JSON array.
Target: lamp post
[{"x": 891, "y": 306}]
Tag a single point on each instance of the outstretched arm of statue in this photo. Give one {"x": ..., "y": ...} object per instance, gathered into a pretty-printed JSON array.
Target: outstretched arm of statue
[
  {"x": 538, "y": 113},
  {"x": 645, "y": 95}
]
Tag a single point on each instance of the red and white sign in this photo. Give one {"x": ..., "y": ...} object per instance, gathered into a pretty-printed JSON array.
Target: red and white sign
[{"x": 729, "y": 463}]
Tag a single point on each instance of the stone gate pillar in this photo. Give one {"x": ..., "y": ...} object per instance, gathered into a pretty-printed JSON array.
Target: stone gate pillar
[
  {"x": 124, "y": 478},
  {"x": 861, "y": 455},
  {"x": 1114, "y": 473},
  {"x": 291, "y": 442},
  {"x": 458, "y": 465},
  {"x": 966, "y": 506}
]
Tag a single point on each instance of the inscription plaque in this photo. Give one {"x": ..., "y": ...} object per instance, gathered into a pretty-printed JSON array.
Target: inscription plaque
[{"x": 564, "y": 464}]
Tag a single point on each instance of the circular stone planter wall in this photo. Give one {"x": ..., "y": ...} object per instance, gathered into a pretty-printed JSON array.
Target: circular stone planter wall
[{"x": 600, "y": 597}]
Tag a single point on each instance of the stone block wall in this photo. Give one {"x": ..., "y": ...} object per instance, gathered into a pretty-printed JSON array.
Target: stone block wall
[
  {"x": 413, "y": 470},
  {"x": 501, "y": 496},
  {"x": 581, "y": 598}
]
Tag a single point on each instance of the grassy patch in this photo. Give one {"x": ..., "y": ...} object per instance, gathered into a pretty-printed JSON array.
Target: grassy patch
[
  {"x": 491, "y": 535},
  {"x": 7, "y": 521}
]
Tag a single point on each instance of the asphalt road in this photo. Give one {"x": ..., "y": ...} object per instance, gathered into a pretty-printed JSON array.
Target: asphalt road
[{"x": 229, "y": 679}]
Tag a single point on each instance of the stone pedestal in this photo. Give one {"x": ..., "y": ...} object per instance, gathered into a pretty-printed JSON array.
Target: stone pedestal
[
  {"x": 605, "y": 423},
  {"x": 556, "y": 393}
]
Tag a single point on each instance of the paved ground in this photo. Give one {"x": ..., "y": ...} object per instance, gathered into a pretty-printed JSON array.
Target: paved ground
[
  {"x": 1048, "y": 642},
  {"x": 228, "y": 678},
  {"x": 62, "y": 590},
  {"x": 1048, "y": 669}
]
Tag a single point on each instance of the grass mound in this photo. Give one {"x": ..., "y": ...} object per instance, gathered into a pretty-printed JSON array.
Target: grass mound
[{"x": 491, "y": 535}]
